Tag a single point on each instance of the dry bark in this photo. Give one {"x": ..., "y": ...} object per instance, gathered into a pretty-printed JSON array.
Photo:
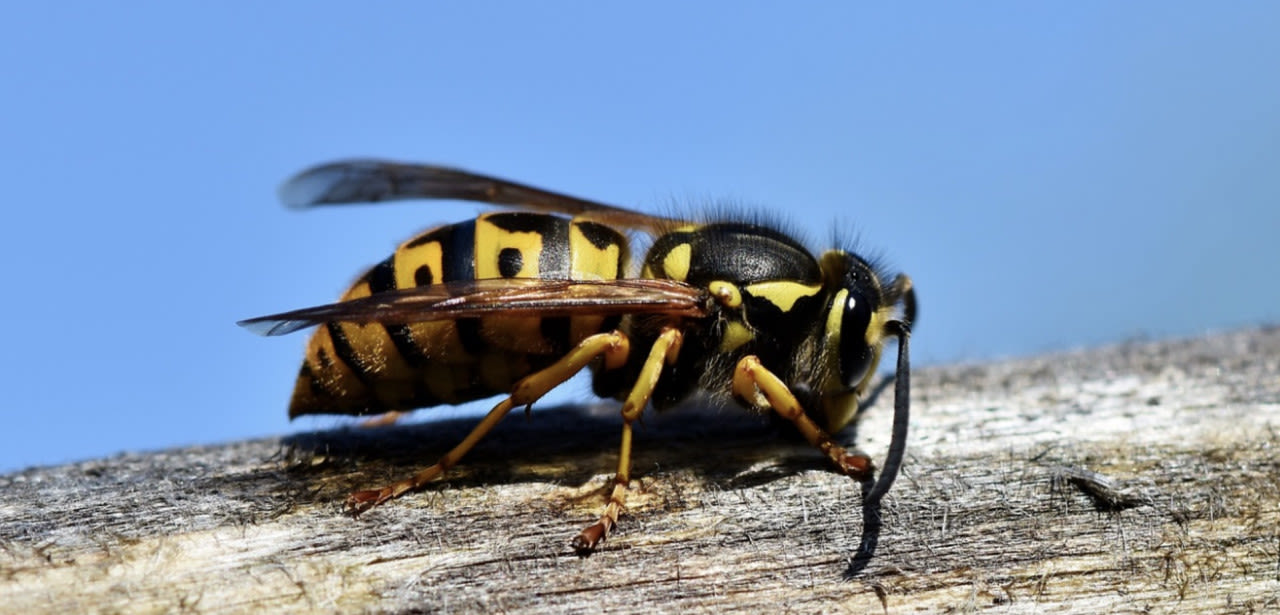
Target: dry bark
[{"x": 1137, "y": 478}]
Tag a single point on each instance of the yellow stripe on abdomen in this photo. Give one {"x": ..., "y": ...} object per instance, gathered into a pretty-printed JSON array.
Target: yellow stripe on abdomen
[{"x": 355, "y": 368}]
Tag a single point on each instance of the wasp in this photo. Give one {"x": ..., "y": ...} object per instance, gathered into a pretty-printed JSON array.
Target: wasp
[{"x": 515, "y": 303}]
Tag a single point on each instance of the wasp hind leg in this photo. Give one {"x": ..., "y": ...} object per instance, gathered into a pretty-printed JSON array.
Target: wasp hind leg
[
  {"x": 757, "y": 385},
  {"x": 613, "y": 346},
  {"x": 663, "y": 352}
]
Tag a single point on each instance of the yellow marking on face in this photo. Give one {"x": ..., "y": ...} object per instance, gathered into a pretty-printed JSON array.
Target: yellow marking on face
[
  {"x": 727, "y": 294},
  {"x": 735, "y": 335},
  {"x": 408, "y": 261},
  {"x": 491, "y": 240},
  {"x": 783, "y": 293},
  {"x": 839, "y": 406},
  {"x": 831, "y": 338},
  {"x": 875, "y": 329},
  {"x": 838, "y": 409},
  {"x": 676, "y": 263}
]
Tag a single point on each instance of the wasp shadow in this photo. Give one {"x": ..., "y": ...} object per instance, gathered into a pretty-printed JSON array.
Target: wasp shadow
[{"x": 568, "y": 445}]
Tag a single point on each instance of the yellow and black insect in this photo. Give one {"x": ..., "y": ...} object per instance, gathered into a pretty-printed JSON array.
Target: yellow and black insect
[{"x": 516, "y": 303}]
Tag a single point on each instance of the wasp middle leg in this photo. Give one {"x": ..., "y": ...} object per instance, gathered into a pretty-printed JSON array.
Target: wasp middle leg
[{"x": 663, "y": 352}]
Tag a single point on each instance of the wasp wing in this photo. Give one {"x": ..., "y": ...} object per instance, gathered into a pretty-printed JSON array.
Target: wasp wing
[
  {"x": 368, "y": 181},
  {"x": 498, "y": 297}
]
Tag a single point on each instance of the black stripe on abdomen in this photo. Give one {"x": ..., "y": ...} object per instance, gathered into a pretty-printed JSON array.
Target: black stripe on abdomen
[
  {"x": 553, "y": 261},
  {"x": 382, "y": 278},
  {"x": 347, "y": 355},
  {"x": 458, "y": 249}
]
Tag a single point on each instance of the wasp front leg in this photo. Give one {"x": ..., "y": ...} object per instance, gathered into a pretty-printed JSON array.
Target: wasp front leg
[
  {"x": 663, "y": 352},
  {"x": 758, "y": 386},
  {"x": 613, "y": 347}
]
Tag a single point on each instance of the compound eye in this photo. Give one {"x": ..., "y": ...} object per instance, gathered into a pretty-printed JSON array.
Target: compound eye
[{"x": 855, "y": 354}]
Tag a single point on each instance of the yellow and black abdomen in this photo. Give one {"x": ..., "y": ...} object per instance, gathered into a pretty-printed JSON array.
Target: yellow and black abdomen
[{"x": 354, "y": 368}]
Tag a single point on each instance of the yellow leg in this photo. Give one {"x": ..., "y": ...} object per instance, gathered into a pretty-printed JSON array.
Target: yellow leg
[
  {"x": 612, "y": 346},
  {"x": 755, "y": 383},
  {"x": 664, "y": 352}
]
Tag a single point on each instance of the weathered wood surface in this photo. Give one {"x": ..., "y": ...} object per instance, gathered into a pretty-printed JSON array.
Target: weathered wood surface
[{"x": 1004, "y": 506}]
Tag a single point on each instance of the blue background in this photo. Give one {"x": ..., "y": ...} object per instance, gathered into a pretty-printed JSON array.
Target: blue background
[{"x": 1052, "y": 175}]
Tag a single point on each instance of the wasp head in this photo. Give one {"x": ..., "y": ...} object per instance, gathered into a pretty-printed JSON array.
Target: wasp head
[{"x": 854, "y": 334}]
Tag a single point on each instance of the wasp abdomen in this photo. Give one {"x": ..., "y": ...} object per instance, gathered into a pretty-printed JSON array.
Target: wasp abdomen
[{"x": 364, "y": 368}]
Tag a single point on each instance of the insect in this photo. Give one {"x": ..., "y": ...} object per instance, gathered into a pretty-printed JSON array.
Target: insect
[{"x": 515, "y": 303}]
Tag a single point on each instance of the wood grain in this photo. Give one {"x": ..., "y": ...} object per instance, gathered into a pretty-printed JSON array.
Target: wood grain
[{"x": 1141, "y": 478}]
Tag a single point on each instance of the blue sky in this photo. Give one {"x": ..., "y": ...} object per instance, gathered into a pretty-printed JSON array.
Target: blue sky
[{"x": 1052, "y": 175}]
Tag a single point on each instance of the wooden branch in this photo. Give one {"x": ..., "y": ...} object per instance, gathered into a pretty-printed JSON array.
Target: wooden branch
[{"x": 1137, "y": 478}]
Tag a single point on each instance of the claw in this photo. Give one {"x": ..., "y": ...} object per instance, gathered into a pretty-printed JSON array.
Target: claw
[
  {"x": 856, "y": 465},
  {"x": 362, "y": 501},
  {"x": 585, "y": 542}
]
